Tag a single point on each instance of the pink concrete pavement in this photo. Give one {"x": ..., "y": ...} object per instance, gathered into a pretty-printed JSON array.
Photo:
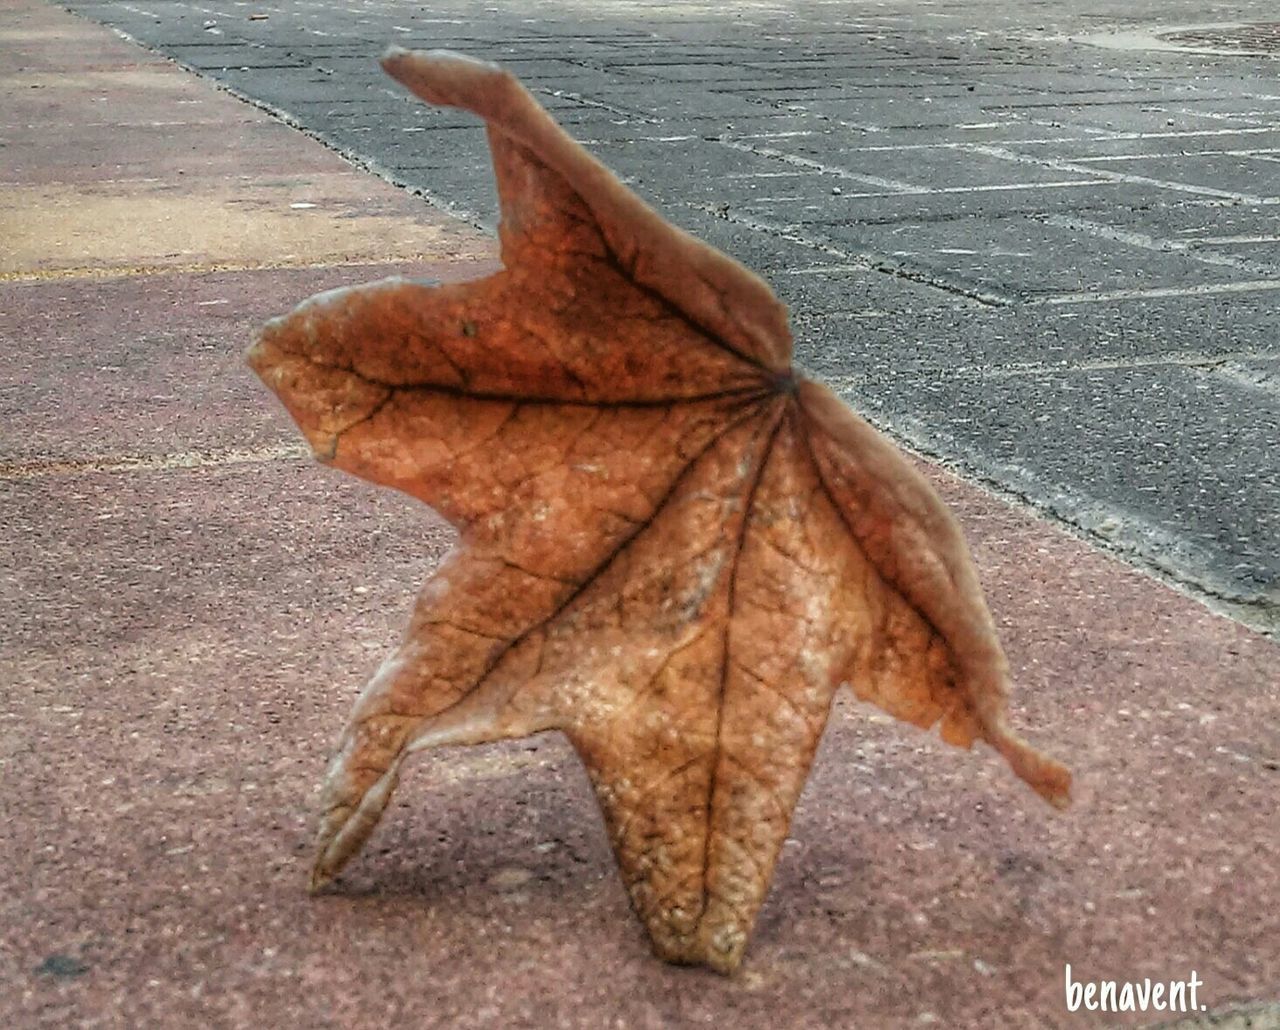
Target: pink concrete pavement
[{"x": 179, "y": 578}]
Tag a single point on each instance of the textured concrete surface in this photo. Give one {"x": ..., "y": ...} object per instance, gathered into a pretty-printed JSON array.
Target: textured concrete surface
[
  {"x": 76, "y": 389},
  {"x": 1098, "y": 221},
  {"x": 175, "y": 572},
  {"x": 164, "y": 761}
]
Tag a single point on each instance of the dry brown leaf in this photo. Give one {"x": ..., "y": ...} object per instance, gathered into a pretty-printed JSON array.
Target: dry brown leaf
[{"x": 673, "y": 549}]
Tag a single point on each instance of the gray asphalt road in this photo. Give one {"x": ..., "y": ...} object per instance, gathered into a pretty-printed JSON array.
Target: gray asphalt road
[{"x": 1050, "y": 263}]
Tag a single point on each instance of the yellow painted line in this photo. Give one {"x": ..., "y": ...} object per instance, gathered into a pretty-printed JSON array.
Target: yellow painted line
[
  {"x": 131, "y": 271},
  {"x": 212, "y": 458},
  {"x": 324, "y": 217}
]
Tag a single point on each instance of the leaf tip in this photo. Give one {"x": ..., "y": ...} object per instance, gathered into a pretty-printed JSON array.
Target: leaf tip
[
  {"x": 327, "y": 865},
  {"x": 439, "y": 76},
  {"x": 261, "y": 353},
  {"x": 1046, "y": 776}
]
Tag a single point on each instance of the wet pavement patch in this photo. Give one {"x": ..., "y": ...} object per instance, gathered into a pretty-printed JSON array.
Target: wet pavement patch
[
  {"x": 1257, "y": 38},
  {"x": 1221, "y": 39}
]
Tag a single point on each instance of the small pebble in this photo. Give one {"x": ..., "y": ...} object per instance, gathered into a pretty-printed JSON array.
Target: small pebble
[{"x": 510, "y": 878}]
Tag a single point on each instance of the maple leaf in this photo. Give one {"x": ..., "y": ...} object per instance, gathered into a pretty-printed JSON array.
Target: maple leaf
[{"x": 673, "y": 549}]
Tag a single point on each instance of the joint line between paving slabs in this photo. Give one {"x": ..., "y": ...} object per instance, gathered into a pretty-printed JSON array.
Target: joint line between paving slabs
[
  {"x": 1063, "y": 165},
  {"x": 868, "y": 260},
  {"x": 1143, "y": 241},
  {"x": 1153, "y": 292},
  {"x": 1201, "y": 360}
]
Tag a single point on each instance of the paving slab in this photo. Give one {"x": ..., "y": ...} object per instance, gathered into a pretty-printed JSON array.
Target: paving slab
[
  {"x": 800, "y": 206},
  {"x": 190, "y": 607},
  {"x": 1180, "y": 444},
  {"x": 991, "y": 343},
  {"x": 1030, "y": 257},
  {"x": 1243, "y": 173}
]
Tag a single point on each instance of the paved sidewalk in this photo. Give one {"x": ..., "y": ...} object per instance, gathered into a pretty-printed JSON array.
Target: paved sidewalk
[
  {"x": 190, "y": 606},
  {"x": 1050, "y": 264}
]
